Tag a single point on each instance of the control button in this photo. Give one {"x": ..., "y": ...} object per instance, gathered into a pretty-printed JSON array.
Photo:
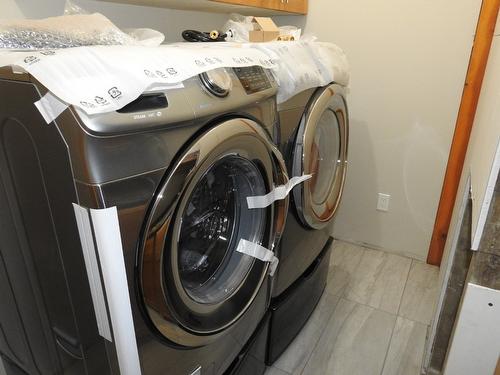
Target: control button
[{"x": 218, "y": 82}]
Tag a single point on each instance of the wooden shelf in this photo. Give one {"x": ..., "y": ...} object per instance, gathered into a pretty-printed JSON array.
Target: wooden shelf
[{"x": 246, "y": 7}]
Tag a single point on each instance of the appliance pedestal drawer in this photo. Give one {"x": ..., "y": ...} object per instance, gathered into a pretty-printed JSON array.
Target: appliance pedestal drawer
[{"x": 291, "y": 310}]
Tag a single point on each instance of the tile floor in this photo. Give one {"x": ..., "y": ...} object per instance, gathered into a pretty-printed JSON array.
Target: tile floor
[{"x": 372, "y": 319}]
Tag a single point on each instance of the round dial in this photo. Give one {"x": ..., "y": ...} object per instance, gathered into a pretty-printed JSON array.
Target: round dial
[{"x": 218, "y": 81}]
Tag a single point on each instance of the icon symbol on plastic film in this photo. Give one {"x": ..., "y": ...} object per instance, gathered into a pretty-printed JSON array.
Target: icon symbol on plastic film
[
  {"x": 100, "y": 100},
  {"x": 114, "y": 92},
  {"x": 149, "y": 73},
  {"x": 265, "y": 62},
  {"x": 31, "y": 59},
  {"x": 47, "y": 53},
  {"x": 87, "y": 104},
  {"x": 161, "y": 74},
  {"x": 199, "y": 62},
  {"x": 172, "y": 71}
]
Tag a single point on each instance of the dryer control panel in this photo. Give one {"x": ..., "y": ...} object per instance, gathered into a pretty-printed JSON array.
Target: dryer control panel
[{"x": 253, "y": 78}]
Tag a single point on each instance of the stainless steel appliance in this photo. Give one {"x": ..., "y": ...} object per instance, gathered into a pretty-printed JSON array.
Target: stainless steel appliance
[
  {"x": 314, "y": 140},
  {"x": 178, "y": 166}
]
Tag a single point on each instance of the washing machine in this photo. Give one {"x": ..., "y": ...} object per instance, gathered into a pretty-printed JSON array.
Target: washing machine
[
  {"x": 121, "y": 232},
  {"x": 314, "y": 141}
]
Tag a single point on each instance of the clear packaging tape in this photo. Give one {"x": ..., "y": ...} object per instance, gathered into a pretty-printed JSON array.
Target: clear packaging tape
[
  {"x": 50, "y": 107},
  {"x": 260, "y": 252},
  {"x": 278, "y": 193}
]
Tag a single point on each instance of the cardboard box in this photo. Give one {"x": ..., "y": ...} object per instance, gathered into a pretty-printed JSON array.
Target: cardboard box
[{"x": 265, "y": 30}]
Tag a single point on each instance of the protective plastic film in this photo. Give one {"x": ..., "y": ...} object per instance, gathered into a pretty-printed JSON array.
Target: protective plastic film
[
  {"x": 103, "y": 79},
  {"x": 260, "y": 252},
  {"x": 278, "y": 193},
  {"x": 110, "y": 249},
  {"x": 93, "y": 274},
  {"x": 305, "y": 64}
]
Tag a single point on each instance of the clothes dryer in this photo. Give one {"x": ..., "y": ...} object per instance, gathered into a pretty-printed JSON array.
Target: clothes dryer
[{"x": 314, "y": 140}]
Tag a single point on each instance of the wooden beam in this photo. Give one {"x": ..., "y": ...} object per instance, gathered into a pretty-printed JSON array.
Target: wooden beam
[{"x": 465, "y": 119}]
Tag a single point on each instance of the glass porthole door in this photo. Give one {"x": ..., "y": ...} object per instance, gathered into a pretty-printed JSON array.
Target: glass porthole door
[
  {"x": 321, "y": 150},
  {"x": 194, "y": 283}
]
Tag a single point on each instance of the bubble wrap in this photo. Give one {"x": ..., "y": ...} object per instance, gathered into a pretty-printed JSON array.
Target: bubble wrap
[
  {"x": 62, "y": 32},
  {"x": 31, "y": 38}
]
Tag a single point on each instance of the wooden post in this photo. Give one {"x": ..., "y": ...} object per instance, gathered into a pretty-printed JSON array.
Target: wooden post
[{"x": 465, "y": 119}]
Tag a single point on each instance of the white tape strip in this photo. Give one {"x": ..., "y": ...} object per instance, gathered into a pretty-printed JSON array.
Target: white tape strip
[
  {"x": 50, "y": 107},
  {"x": 18, "y": 70},
  {"x": 109, "y": 246},
  {"x": 259, "y": 252},
  {"x": 90, "y": 258},
  {"x": 278, "y": 193}
]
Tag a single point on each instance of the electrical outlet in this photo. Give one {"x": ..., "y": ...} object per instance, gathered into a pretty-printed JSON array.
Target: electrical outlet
[{"x": 383, "y": 202}]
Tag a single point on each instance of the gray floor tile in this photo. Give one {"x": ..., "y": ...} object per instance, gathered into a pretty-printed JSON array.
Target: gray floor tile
[
  {"x": 275, "y": 371},
  {"x": 295, "y": 357},
  {"x": 420, "y": 294},
  {"x": 379, "y": 280},
  {"x": 406, "y": 348},
  {"x": 354, "y": 342},
  {"x": 344, "y": 260}
]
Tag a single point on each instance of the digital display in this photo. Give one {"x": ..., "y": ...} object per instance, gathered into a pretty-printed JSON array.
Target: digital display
[{"x": 253, "y": 79}]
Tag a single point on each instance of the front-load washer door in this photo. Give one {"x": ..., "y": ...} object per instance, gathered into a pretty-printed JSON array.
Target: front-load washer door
[
  {"x": 321, "y": 150},
  {"x": 194, "y": 282}
]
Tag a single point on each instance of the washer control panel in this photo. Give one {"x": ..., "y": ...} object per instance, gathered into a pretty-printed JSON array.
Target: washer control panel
[{"x": 253, "y": 78}]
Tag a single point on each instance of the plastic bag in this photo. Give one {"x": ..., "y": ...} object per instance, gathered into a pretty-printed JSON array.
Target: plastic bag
[
  {"x": 74, "y": 29},
  {"x": 70, "y": 8},
  {"x": 237, "y": 28},
  {"x": 290, "y": 31},
  {"x": 303, "y": 65}
]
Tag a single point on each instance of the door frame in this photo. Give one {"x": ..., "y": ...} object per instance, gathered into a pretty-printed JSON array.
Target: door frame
[{"x": 465, "y": 121}]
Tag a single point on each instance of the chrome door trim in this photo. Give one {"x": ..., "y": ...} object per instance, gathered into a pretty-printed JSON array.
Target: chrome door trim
[
  {"x": 249, "y": 140},
  {"x": 318, "y": 216}
]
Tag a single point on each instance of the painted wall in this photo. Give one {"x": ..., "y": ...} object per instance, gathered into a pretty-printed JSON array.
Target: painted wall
[
  {"x": 170, "y": 22},
  {"x": 408, "y": 64}
]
